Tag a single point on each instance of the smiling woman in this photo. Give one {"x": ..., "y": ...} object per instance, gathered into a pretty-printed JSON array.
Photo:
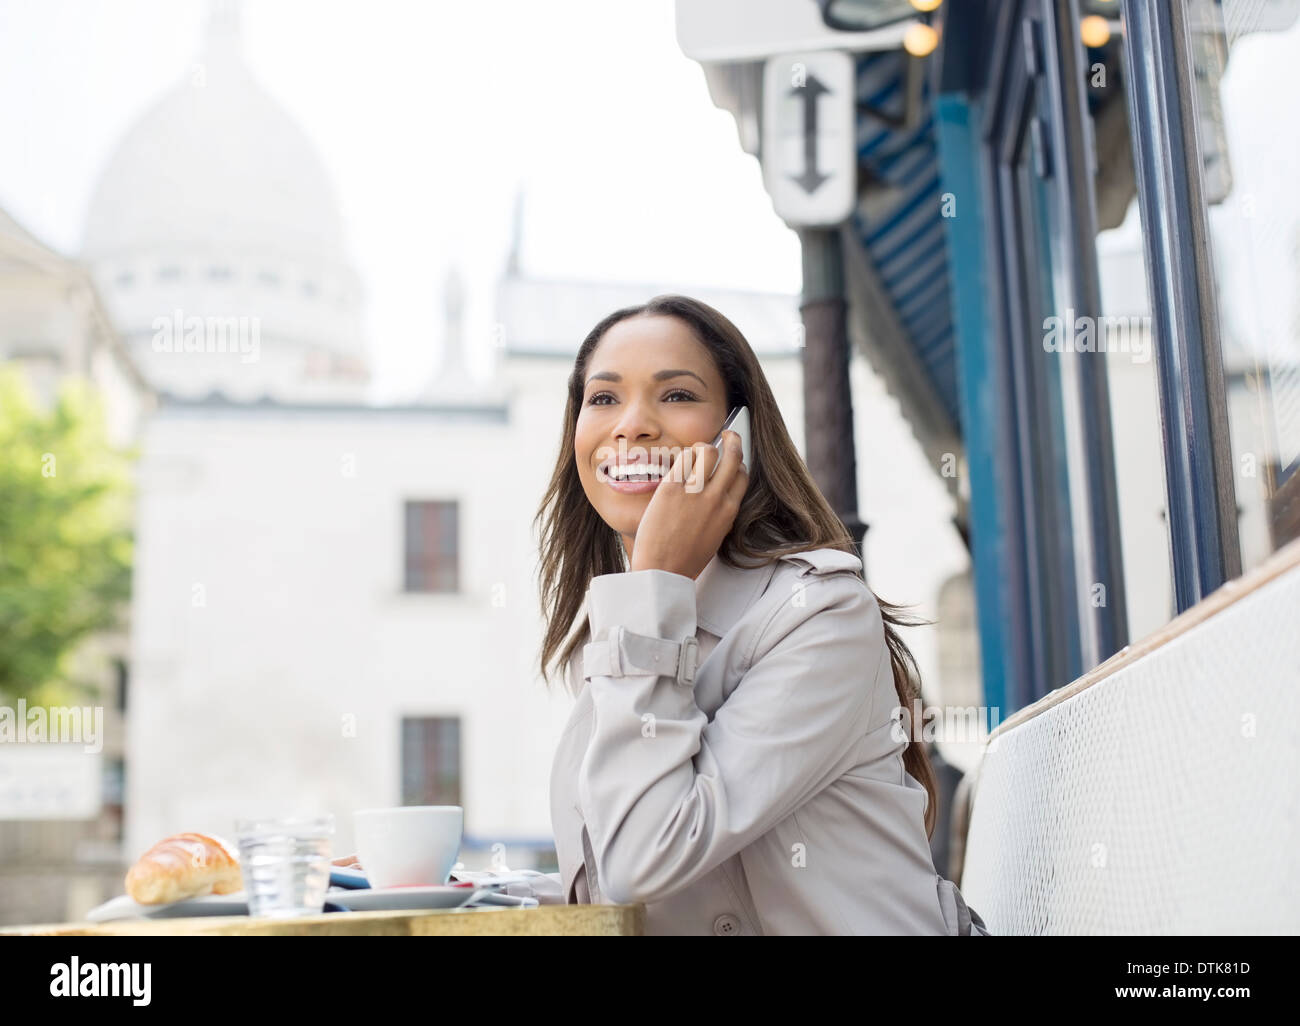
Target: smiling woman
[{"x": 732, "y": 760}]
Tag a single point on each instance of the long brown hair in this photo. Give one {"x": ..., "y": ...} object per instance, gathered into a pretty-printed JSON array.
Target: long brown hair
[{"x": 783, "y": 510}]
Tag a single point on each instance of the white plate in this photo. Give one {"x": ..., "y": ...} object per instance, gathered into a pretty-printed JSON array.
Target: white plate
[
  {"x": 122, "y": 907},
  {"x": 360, "y": 900}
]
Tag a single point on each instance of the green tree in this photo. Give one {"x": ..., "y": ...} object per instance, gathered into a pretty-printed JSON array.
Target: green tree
[{"x": 65, "y": 538}]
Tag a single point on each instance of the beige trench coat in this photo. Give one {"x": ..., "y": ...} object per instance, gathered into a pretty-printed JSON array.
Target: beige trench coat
[{"x": 733, "y": 760}]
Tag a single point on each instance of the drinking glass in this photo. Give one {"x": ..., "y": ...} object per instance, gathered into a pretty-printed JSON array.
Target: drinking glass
[{"x": 285, "y": 863}]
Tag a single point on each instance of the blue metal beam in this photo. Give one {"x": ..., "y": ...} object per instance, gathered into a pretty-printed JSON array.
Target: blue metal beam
[{"x": 979, "y": 390}]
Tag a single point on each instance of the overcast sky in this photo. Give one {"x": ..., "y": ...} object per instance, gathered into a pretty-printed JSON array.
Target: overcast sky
[{"x": 428, "y": 117}]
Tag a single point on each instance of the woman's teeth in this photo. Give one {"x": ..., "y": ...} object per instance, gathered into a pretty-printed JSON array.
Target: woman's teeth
[{"x": 634, "y": 473}]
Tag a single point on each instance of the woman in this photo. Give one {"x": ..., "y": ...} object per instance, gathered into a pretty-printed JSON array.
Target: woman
[
  {"x": 773, "y": 792},
  {"x": 733, "y": 759}
]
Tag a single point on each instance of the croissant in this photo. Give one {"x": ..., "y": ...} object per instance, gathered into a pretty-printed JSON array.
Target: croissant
[{"x": 184, "y": 866}]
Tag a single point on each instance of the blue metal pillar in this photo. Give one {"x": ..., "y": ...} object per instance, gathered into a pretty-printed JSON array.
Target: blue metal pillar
[{"x": 983, "y": 402}]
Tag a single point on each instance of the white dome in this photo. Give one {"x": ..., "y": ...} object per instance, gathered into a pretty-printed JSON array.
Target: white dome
[
  {"x": 216, "y": 204},
  {"x": 216, "y": 162}
]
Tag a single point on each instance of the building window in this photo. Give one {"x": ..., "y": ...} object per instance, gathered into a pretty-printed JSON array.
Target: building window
[
  {"x": 268, "y": 278},
  {"x": 309, "y": 289},
  {"x": 169, "y": 273},
  {"x": 125, "y": 280},
  {"x": 220, "y": 273},
  {"x": 114, "y": 795},
  {"x": 432, "y": 546},
  {"x": 1244, "y": 55},
  {"x": 123, "y": 678},
  {"x": 431, "y": 760}
]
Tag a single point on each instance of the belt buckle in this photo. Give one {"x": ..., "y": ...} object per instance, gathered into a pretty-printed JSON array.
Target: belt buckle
[{"x": 688, "y": 660}]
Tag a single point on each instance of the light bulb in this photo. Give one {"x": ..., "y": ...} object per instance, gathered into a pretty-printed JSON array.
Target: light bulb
[
  {"x": 920, "y": 40},
  {"x": 1094, "y": 30}
]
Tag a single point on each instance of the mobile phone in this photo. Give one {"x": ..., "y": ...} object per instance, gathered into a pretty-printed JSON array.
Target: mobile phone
[
  {"x": 737, "y": 421},
  {"x": 346, "y": 876}
]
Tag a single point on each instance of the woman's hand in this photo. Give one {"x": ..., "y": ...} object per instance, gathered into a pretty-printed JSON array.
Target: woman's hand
[
  {"x": 351, "y": 861},
  {"x": 685, "y": 522}
]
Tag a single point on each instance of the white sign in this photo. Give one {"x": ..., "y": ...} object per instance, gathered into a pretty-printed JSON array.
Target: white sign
[
  {"x": 747, "y": 30},
  {"x": 49, "y": 781},
  {"x": 808, "y": 145}
]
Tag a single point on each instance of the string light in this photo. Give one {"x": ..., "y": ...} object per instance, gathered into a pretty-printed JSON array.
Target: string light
[
  {"x": 920, "y": 40},
  {"x": 1094, "y": 30}
]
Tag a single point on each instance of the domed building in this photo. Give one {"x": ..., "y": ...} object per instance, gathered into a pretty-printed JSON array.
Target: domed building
[{"x": 215, "y": 237}]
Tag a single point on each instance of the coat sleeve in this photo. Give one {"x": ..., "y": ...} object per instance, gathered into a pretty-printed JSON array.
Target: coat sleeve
[{"x": 667, "y": 794}]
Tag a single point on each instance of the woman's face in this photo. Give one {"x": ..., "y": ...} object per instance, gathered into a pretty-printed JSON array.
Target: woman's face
[{"x": 651, "y": 390}]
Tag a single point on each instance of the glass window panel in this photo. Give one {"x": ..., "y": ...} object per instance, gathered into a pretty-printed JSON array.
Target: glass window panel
[
  {"x": 1135, "y": 420},
  {"x": 1247, "y": 61}
]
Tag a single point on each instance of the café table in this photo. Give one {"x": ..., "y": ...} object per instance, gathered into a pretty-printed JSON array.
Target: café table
[{"x": 542, "y": 921}]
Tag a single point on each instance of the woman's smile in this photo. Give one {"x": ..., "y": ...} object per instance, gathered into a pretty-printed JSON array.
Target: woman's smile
[
  {"x": 634, "y": 474},
  {"x": 633, "y": 481}
]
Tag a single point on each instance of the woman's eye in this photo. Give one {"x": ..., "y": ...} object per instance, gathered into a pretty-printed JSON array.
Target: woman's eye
[{"x": 593, "y": 400}]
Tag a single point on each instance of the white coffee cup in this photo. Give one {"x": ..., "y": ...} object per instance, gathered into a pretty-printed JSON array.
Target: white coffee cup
[{"x": 411, "y": 844}]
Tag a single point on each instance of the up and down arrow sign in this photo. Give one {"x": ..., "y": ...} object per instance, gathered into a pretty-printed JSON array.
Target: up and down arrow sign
[{"x": 809, "y": 164}]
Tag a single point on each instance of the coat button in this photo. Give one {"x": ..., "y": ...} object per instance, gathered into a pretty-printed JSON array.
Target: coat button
[{"x": 726, "y": 925}]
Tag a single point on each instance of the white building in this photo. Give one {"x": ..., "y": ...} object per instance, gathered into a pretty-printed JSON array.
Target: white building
[{"x": 55, "y": 325}]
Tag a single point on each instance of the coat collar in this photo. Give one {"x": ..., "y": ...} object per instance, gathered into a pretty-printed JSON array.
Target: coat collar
[{"x": 723, "y": 593}]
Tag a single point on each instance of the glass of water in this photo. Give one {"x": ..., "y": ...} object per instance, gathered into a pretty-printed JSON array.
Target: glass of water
[{"x": 285, "y": 863}]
